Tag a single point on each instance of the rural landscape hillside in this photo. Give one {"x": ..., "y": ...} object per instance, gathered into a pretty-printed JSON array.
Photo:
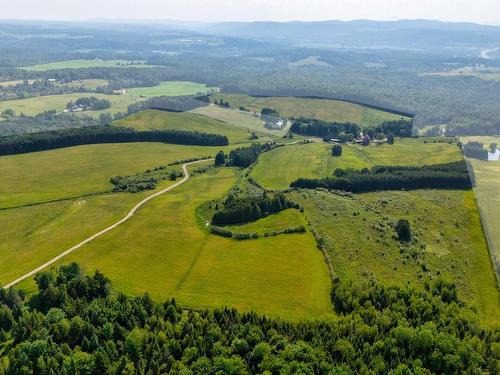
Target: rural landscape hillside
[{"x": 249, "y": 197}]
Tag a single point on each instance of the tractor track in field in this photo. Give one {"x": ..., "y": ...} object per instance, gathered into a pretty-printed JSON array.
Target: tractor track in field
[{"x": 109, "y": 228}]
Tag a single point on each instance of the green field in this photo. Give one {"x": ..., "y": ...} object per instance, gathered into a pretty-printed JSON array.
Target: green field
[
  {"x": 278, "y": 168},
  {"x": 324, "y": 109},
  {"x": 282, "y": 220},
  {"x": 76, "y": 171},
  {"x": 97, "y": 63},
  {"x": 237, "y": 118},
  {"x": 162, "y": 120},
  {"x": 38, "y": 104},
  {"x": 489, "y": 74},
  {"x": 172, "y": 88},
  {"x": 487, "y": 177},
  {"x": 358, "y": 234},
  {"x": 174, "y": 256},
  {"x": 90, "y": 84},
  {"x": 13, "y": 83}
]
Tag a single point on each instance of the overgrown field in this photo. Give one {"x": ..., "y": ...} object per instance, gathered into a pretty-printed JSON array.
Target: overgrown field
[
  {"x": 165, "y": 250},
  {"x": 323, "y": 109},
  {"x": 447, "y": 240},
  {"x": 38, "y": 104},
  {"x": 162, "y": 120},
  {"x": 68, "y": 64},
  {"x": 278, "y": 168},
  {"x": 172, "y": 88}
]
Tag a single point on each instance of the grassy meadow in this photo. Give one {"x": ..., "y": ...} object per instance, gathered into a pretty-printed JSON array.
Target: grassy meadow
[
  {"x": 76, "y": 171},
  {"x": 96, "y": 63},
  {"x": 90, "y": 84},
  {"x": 162, "y": 120},
  {"x": 172, "y": 88},
  {"x": 358, "y": 233},
  {"x": 174, "y": 256},
  {"x": 324, "y": 109},
  {"x": 278, "y": 168},
  {"x": 38, "y": 104}
]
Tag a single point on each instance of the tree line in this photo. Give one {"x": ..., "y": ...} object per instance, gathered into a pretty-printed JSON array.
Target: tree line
[
  {"x": 48, "y": 140},
  {"x": 245, "y": 156},
  {"x": 243, "y": 210},
  {"x": 73, "y": 325},
  {"x": 452, "y": 175},
  {"x": 320, "y": 128}
]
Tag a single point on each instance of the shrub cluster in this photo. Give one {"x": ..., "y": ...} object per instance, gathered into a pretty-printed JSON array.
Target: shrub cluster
[
  {"x": 244, "y": 210},
  {"x": 475, "y": 150},
  {"x": 452, "y": 175},
  {"x": 48, "y": 140}
]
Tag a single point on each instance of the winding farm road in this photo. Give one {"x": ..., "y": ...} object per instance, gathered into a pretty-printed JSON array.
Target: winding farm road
[{"x": 111, "y": 227}]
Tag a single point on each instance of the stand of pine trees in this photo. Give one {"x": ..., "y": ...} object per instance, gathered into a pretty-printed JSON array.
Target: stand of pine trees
[
  {"x": 48, "y": 140},
  {"x": 452, "y": 175}
]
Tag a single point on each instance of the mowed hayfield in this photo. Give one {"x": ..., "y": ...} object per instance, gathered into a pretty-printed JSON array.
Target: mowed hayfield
[
  {"x": 358, "y": 232},
  {"x": 278, "y": 168},
  {"x": 75, "y": 171},
  {"x": 96, "y": 63},
  {"x": 241, "y": 119},
  {"x": 172, "y": 88},
  {"x": 165, "y": 251},
  {"x": 38, "y": 104},
  {"x": 163, "y": 120},
  {"x": 323, "y": 109}
]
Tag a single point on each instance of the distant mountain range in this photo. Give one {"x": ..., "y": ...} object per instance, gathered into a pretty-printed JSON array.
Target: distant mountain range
[{"x": 416, "y": 34}]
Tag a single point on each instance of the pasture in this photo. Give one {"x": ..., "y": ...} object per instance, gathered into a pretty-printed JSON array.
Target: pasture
[
  {"x": 358, "y": 232},
  {"x": 173, "y": 256},
  {"x": 77, "y": 171},
  {"x": 323, "y": 109},
  {"x": 172, "y": 88},
  {"x": 162, "y": 120},
  {"x": 278, "y": 168},
  {"x": 96, "y": 63},
  {"x": 35, "y": 105}
]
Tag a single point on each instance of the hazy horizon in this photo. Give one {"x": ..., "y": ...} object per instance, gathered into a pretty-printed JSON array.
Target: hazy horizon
[{"x": 482, "y": 12}]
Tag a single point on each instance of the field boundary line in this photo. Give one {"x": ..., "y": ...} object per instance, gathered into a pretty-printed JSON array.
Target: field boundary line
[{"x": 109, "y": 228}]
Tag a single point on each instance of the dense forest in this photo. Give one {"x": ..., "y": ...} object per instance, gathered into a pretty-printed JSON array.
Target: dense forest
[
  {"x": 73, "y": 324},
  {"x": 48, "y": 140},
  {"x": 243, "y": 210},
  {"x": 452, "y": 175}
]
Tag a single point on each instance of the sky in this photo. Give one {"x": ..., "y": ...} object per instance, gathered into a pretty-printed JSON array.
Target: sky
[{"x": 478, "y": 11}]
